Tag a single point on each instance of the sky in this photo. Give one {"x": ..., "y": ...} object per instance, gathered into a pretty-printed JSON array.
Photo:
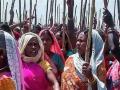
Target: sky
[{"x": 41, "y": 8}]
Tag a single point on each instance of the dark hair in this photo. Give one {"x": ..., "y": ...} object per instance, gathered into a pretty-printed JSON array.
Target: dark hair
[
  {"x": 107, "y": 18},
  {"x": 6, "y": 28},
  {"x": 46, "y": 31},
  {"x": 116, "y": 50}
]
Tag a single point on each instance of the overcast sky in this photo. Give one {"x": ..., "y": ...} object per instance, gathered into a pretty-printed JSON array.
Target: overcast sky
[{"x": 41, "y": 8}]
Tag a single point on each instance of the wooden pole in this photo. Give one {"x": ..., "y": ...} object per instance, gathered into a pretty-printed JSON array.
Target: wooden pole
[
  {"x": 0, "y": 11},
  {"x": 17, "y": 14},
  {"x": 59, "y": 13},
  {"x": 36, "y": 13},
  {"x": 55, "y": 11},
  {"x": 98, "y": 25},
  {"x": 83, "y": 19},
  {"x": 88, "y": 13},
  {"x": 87, "y": 54},
  {"x": 64, "y": 10},
  {"x": 47, "y": 12},
  {"x": 6, "y": 12},
  {"x": 63, "y": 34},
  {"x": 81, "y": 8},
  {"x": 51, "y": 12},
  {"x": 3, "y": 11},
  {"x": 118, "y": 4},
  {"x": 30, "y": 15},
  {"x": 20, "y": 11},
  {"x": 12, "y": 13},
  {"x": 105, "y": 3},
  {"x": 24, "y": 10},
  {"x": 114, "y": 10},
  {"x": 75, "y": 15}
]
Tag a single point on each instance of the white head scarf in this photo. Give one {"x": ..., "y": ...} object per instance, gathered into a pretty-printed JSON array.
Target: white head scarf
[
  {"x": 14, "y": 61},
  {"x": 23, "y": 41},
  {"x": 96, "y": 58}
]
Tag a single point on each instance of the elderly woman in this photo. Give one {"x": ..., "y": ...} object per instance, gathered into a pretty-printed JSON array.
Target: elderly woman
[
  {"x": 10, "y": 64},
  {"x": 80, "y": 75},
  {"x": 53, "y": 52},
  {"x": 35, "y": 68}
]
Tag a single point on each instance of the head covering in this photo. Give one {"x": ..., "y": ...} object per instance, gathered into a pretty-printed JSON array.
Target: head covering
[
  {"x": 96, "y": 58},
  {"x": 8, "y": 43},
  {"x": 23, "y": 41},
  {"x": 55, "y": 48}
]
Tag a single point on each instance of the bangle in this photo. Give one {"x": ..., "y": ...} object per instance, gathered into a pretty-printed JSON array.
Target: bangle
[{"x": 93, "y": 81}]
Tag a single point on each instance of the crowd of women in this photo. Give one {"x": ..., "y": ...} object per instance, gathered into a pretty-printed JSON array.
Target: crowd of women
[{"x": 37, "y": 60}]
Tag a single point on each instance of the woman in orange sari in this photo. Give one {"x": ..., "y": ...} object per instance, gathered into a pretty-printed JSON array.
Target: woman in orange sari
[{"x": 80, "y": 75}]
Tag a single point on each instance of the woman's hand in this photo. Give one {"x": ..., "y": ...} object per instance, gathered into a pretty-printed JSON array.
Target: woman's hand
[
  {"x": 87, "y": 71},
  {"x": 56, "y": 86}
]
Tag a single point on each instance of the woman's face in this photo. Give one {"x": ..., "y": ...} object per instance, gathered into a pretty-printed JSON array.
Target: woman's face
[
  {"x": 47, "y": 41},
  {"x": 59, "y": 38},
  {"x": 32, "y": 47},
  {"x": 81, "y": 43}
]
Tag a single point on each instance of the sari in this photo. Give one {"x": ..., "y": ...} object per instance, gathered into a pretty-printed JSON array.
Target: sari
[
  {"x": 113, "y": 76},
  {"x": 72, "y": 77},
  {"x": 12, "y": 80},
  {"x": 57, "y": 59},
  {"x": 34, "y": 68}
]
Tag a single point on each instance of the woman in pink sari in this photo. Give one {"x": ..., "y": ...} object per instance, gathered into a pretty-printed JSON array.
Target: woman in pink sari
[{"x": 36, "y": 70}]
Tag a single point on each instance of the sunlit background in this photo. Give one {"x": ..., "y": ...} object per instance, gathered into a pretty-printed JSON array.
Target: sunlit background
[{"x": 41, "y": 9}]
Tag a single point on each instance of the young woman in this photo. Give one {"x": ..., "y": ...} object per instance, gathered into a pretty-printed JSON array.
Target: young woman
[
  {"x": 10, "y": 64},
  {"x": 37, "y": 72},
  {"x": 53, "y": 52}
]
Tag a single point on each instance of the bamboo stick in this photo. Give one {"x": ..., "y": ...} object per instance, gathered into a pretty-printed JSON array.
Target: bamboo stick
[
  {"x": 36, "y": 13},
  {"x": 55, "y": 11},
  {"x": 87, "y": 54},
  {"x": 17, "y": 14},
  {"x": 12, "y": 13},
  {"x": 5, "y": 20},
  {"x": 88, "y": 12},
  {"x": 98, "y": 25},
  {"x": 81, "y": 8},
  {"x": 0, "y": 11},
  {"x": 75, "y": 13},
  {"x": 114, "y": 10},
  {"x": 63, "y": 34},
  {"x": 30, "y": 15},
  {"x": 24, "y": 10},
  {"x": 47, "y": 12},
  {"x": 51, "y": 12},
  {"x": 59, "y": 13},
  {"x": 83, "y": 19},
  {"x": 3, "y": 11},
  {"x": 105, "y": 3},
  {"x": 118, "y": 4},
  {"x": 20, "y": 11}
]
